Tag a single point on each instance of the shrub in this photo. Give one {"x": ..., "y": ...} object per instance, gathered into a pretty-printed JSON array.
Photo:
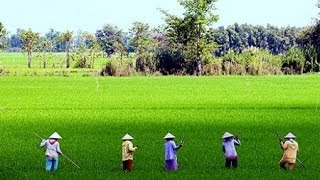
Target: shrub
[
  {"x": 118, "y": 68},
  {"x": 252, "y": 61},
  {"x": 4, "y": 71}
]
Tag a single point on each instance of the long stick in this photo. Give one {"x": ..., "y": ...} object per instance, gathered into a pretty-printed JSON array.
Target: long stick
[
  {"x": 70, "y": 161},
  {"x": 61, "y": 154},
  {"x": 280, "y": 139},
  {"x": 38, "y": 135},
  {"x": 237, "y": 135},
  {"x": 183, "y": 139},
  {"x": 302, "y": 164}
]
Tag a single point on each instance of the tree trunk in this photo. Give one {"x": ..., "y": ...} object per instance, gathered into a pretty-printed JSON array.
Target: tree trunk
[
  {"x": 68, "y": 54},
  {"x": 45, "y": 62},
  {"x": 198, "y": 64},
  {"x": 29, "y": 59},
  {"x": 92, "y": 64},
  {"x": 312, "y": 65}
]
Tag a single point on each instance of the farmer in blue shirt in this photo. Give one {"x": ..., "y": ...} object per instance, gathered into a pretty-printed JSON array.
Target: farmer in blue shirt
[
  {"x": 228, "y": 147},
  {"x": 170, "y": 149}
]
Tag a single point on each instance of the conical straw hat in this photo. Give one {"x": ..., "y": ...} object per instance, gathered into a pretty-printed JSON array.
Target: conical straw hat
[
  {"x": 127, "y": 137},
  {"x": 227, "y": 135},
  {"x": 55, "y": 135},
  {"x": 290, "y": 136},
  {"x": 169, "y": 136}
]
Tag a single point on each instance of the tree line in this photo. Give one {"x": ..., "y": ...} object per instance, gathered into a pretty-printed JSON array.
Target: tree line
[{"x": 186, "y": 44}]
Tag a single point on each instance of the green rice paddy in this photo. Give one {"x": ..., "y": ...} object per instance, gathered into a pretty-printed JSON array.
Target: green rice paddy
[{"x": 92, "y": 115}]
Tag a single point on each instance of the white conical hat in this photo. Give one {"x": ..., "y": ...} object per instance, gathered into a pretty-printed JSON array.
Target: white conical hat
[
  {"x": 169, "y": 136},
  {"x": 227, "y": 135},
  {"x": 127, "y": 137},
  {"x": 55, "y": 135},
  {"x": 290, "y": 136}
]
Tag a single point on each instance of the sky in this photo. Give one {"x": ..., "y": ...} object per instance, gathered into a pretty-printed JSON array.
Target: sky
[{"x": 90, "y": 15}]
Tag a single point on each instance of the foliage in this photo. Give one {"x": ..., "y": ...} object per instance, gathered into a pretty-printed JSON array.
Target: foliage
[
  {"x": 170, "y": 60},
  {"x": 116, "y": 67},
  {"x": 88, "y": 51},
  {"x": 29, "y": 41},
  {"x": 54, "y": 37},
  {"x": 145, "y": 47},
  {"x": 3, "y": 35},
  {"x": 190, "y": 32},
  {"x": 240, "y": 37},
  {"x": 119, "y": 48},
  {"x": 294, "y": 61},
  {"x": 67, "y": 38},
  {"x": 15, "y": 42},
  {"x": 186, "y": 44},
  {"x": 108, "y": 36},
  {"x": 253, "y": 61},
  {"x": 309, "y": 41},
  {"x": 45, "y": 52}
]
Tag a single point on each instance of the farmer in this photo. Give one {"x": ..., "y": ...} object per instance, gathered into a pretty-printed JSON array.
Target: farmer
[
  {"x": 127, "y": 152},
  {"x": 52, "y": 152},
  {"x": 170, "y": 150},
  {"x": 228, "y": 147},
  {"x": 290, "y": 148}
]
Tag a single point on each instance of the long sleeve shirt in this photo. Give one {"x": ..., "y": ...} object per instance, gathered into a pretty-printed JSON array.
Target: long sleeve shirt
[
  {"x": 290, "y": 150},
  {"x": 229, "y": 149},
  {"x": 53, "y": 150},
  {"x": 170, "y": 149},
  {"x": 127, "y": 150}
]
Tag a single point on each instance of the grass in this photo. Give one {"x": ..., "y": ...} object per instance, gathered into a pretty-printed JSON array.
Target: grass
[{"x": 92, "y": 114}]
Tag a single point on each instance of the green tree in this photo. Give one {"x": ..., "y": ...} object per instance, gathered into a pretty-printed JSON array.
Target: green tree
[
  {"x": 53, "y": 36},
  {"x": 87, "y": 52},
  {"x": 191, "y": 31},
  {"x": 67, "y": 38},
  {"x": 3, "y": 34},
  {"x": 240, "y": 37},
  {"x": 108, "y": 36},
  {"x": 45, "y": 52},
  {"x": 144, "y": 46},
  {"x": 296, "y": 59},
  {"x": 120, "y": 49},
  {"x": 30, "y": 40},
  {"x": 140, "y": 32},
  {"x": 309, "y": 40}
]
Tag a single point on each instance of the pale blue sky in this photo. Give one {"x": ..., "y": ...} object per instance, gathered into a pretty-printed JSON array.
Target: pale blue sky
[{"x": 89, "y": 15}]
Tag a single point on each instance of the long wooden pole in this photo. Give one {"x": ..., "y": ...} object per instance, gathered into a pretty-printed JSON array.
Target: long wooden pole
[{"x": 61, "y": 154}]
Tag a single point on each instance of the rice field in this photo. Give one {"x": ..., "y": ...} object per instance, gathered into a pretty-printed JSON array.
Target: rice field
[
  {"x": 15, "y": 64},
  {"x": 19, "y": 60},
  {"x": 92, "y": 115}
]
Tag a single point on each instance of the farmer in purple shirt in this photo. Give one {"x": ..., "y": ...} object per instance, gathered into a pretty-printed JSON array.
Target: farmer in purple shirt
[
  {"x": 170, "y": 150},
  {"x": 228, "y": 147}
]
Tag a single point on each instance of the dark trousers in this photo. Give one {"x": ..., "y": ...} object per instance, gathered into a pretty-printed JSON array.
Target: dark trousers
[
  {"x": 127, "y": 165},
  {"x": 232, "y": 162}
]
